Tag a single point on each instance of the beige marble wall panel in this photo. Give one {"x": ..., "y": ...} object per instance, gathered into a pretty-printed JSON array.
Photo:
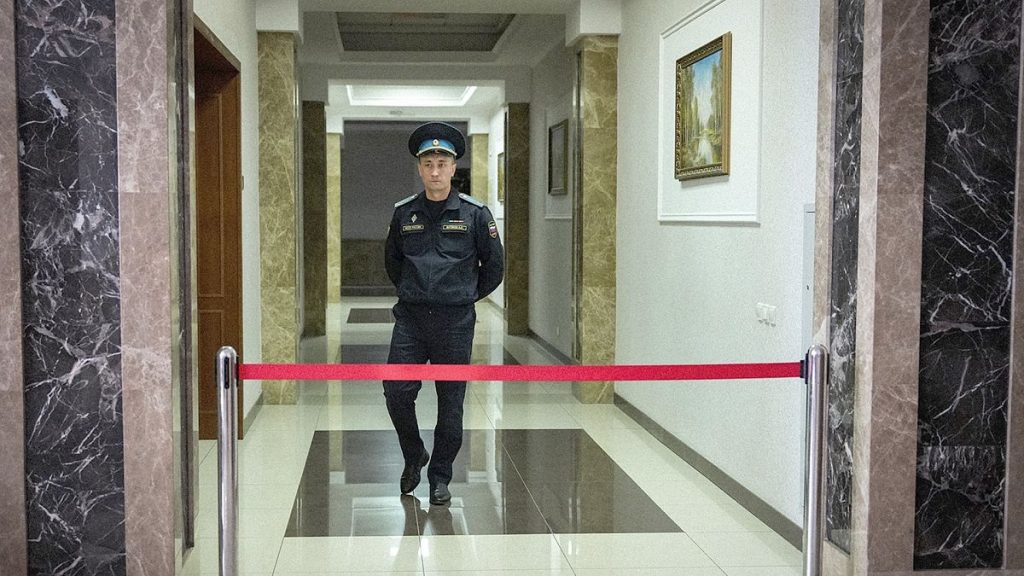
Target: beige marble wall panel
[
  {"x": 597, "y": 347},
  {"x": 333, "y": 218},
  {"x": 12, "y": 417},
  {"x": 517, "y": 220},
  {"x": 145, "y": 46},
  {"x": 1014, "y": 549},
  {"x": 278, "y": 205},
  {"x": 825, "y": 175},
  {"x": 478, "y": 173},
  {"x": 314, "y": 218},
  {"x": 598, "y": 198},
  {"x": 362, "y": 263},
  {"x": 889, "y": 284}
]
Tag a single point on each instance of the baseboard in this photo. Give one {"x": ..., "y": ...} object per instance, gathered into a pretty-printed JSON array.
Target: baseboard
[
  {"x": 764, "y": 512},
  {"x": 550, "y": 348},
  {"x": 251, "y": 416}
]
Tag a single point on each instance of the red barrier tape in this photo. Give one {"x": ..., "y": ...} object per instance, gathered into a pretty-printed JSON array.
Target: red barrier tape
[{"x": 531, "y": 373}]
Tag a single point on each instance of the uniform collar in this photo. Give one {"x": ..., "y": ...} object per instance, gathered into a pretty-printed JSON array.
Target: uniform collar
[{"x": 453, "y": 202}]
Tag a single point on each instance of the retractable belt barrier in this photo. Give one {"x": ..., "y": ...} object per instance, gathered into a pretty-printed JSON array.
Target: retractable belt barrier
[
  {"x": 528, "y": 373},
  {"x": 229, "y": 372}
]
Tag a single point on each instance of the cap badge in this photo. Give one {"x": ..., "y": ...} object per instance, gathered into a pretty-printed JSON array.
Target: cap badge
[{"x": 436, "y": 142}]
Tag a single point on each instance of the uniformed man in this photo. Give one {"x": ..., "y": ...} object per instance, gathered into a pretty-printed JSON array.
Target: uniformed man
[{"x": 442, "y": 254}]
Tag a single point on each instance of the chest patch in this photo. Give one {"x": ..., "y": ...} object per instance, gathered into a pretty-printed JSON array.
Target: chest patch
[
  {"x": 454, "y": 227},
  {"x": 407, "y": 228}
]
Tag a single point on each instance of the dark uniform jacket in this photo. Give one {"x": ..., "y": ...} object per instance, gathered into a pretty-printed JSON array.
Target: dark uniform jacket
[{"x": 455, "y": 260}]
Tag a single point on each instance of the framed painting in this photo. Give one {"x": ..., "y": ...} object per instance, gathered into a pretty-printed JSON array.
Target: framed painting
[
  {"x": 501, "y": 177},
  {"x": 702, "y": 110},
  {"x": 558, "y": 153}
]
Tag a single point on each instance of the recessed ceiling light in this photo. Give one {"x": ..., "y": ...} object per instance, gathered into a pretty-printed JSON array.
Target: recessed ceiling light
[{"x": 395, "y": 96}]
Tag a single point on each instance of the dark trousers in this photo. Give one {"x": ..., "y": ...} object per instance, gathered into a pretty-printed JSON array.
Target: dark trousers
[{"x": 439, "y": 335}]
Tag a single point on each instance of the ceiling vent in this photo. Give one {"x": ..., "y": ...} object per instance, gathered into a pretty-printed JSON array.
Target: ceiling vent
[{"x": 420, "y": 32}]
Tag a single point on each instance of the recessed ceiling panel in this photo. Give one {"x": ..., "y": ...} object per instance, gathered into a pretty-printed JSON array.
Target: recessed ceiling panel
[{"x": 420, "y": 32}]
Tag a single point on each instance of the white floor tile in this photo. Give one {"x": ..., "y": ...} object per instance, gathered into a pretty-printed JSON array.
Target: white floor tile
[
  {"x": 252, "y": 523},
  {"x": 354, "y": 418},
  {"x": 701, "y": 509},
  {"x": 601, "y": 416},
  {"x": 529, "y": 416},
  {"x": 765, "y": 571},
  {"x": 558, "y": 572},
  {"x": 747, "y": 549},
  {"x": 513, "y": 552},
  {"x": 368, "y": 553},
  {"x": 675, "y": 571},
  {"x": 253, "y": 497},
  {"x": 255, "y": 556},
  {"x": 286, "y": 418},
  {"x": 587, "y": 551}
]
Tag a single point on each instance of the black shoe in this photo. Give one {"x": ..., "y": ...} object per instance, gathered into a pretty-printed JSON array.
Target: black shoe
[
  {"x": 411, "y": 474},
  {"x": 440, "y": 495}
]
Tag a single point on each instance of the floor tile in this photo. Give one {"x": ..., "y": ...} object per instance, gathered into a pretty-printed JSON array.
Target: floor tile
[
  {"x": 534, "y": 460},
  {"x": 599, "y": 507},
  {"x": 260, "y": 524},
  {"x": 514, "y": 552},
  {"x": 765, "y": 571},
  {"x": 675, "y": 571},
  {"x": 395, "y": 553},
  {"x": 607, "y": 551},
  {"x": 255, "y": 556},
  {"x": 747, "y": 549},
  {"x": 529, "y": 416},
  {"x": 558, "y": 572},
  {"x": 603, "y": 416},
  {"x": 702, "y": 509}
]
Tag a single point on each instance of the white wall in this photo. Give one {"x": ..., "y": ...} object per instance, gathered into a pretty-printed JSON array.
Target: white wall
[
  {"x": 495, "y": 146},
  {"x": 550, "y": 216},
  {"x": 687, "y": 292},
  {"x": 234, "y": 24}
]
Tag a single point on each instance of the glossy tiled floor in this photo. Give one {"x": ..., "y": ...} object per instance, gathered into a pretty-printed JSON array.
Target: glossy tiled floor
[{"x": 543, "y": 485}]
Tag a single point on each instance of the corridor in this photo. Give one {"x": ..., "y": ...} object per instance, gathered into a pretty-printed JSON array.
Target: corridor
[{"x": 544, "y": 485}]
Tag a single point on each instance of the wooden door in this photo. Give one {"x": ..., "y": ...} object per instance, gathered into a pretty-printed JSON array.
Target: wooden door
[{"x": 218, "y": 222}]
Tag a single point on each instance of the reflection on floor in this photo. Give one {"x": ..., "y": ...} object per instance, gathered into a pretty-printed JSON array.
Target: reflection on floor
[
  {"x": 504, "y": 482},
  {"x": 544, "y": 485}
]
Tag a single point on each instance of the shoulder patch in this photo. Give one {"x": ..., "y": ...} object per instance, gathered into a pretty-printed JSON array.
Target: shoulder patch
[
  {"x": 471, "y": 200},
  {"x": 406, "y": 200}
]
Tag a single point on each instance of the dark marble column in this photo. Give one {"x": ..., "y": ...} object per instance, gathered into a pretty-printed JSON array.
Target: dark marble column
[
  {"x": 848, "y": 79},
  {"x": 314, "y": 218},
  {"x": 517, "y": 219},
  {"x": 71, "y": 289},
  {"x": 970, "y": 177}
]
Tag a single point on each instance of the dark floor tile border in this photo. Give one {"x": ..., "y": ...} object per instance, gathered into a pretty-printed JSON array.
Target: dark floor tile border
[
  {"x": 550, "y": 349},
  {"x": 774, "y": 519},
  {"x": 368, "y": 291}
]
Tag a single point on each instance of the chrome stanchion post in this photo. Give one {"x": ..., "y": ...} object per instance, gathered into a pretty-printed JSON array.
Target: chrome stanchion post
[
  {"x": 815, "y": 375},
  {"x": 227, "y": 466}
]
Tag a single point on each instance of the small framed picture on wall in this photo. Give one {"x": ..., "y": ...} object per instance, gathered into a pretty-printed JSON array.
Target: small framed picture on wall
[{"x": 558, "y": 157}]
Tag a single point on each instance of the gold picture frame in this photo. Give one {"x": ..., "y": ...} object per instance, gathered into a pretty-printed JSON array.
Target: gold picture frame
[
  {"x": 703, "y": 99},
  {"x": 501, "y": 177},
  {"x": 558, "y": 156}
]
